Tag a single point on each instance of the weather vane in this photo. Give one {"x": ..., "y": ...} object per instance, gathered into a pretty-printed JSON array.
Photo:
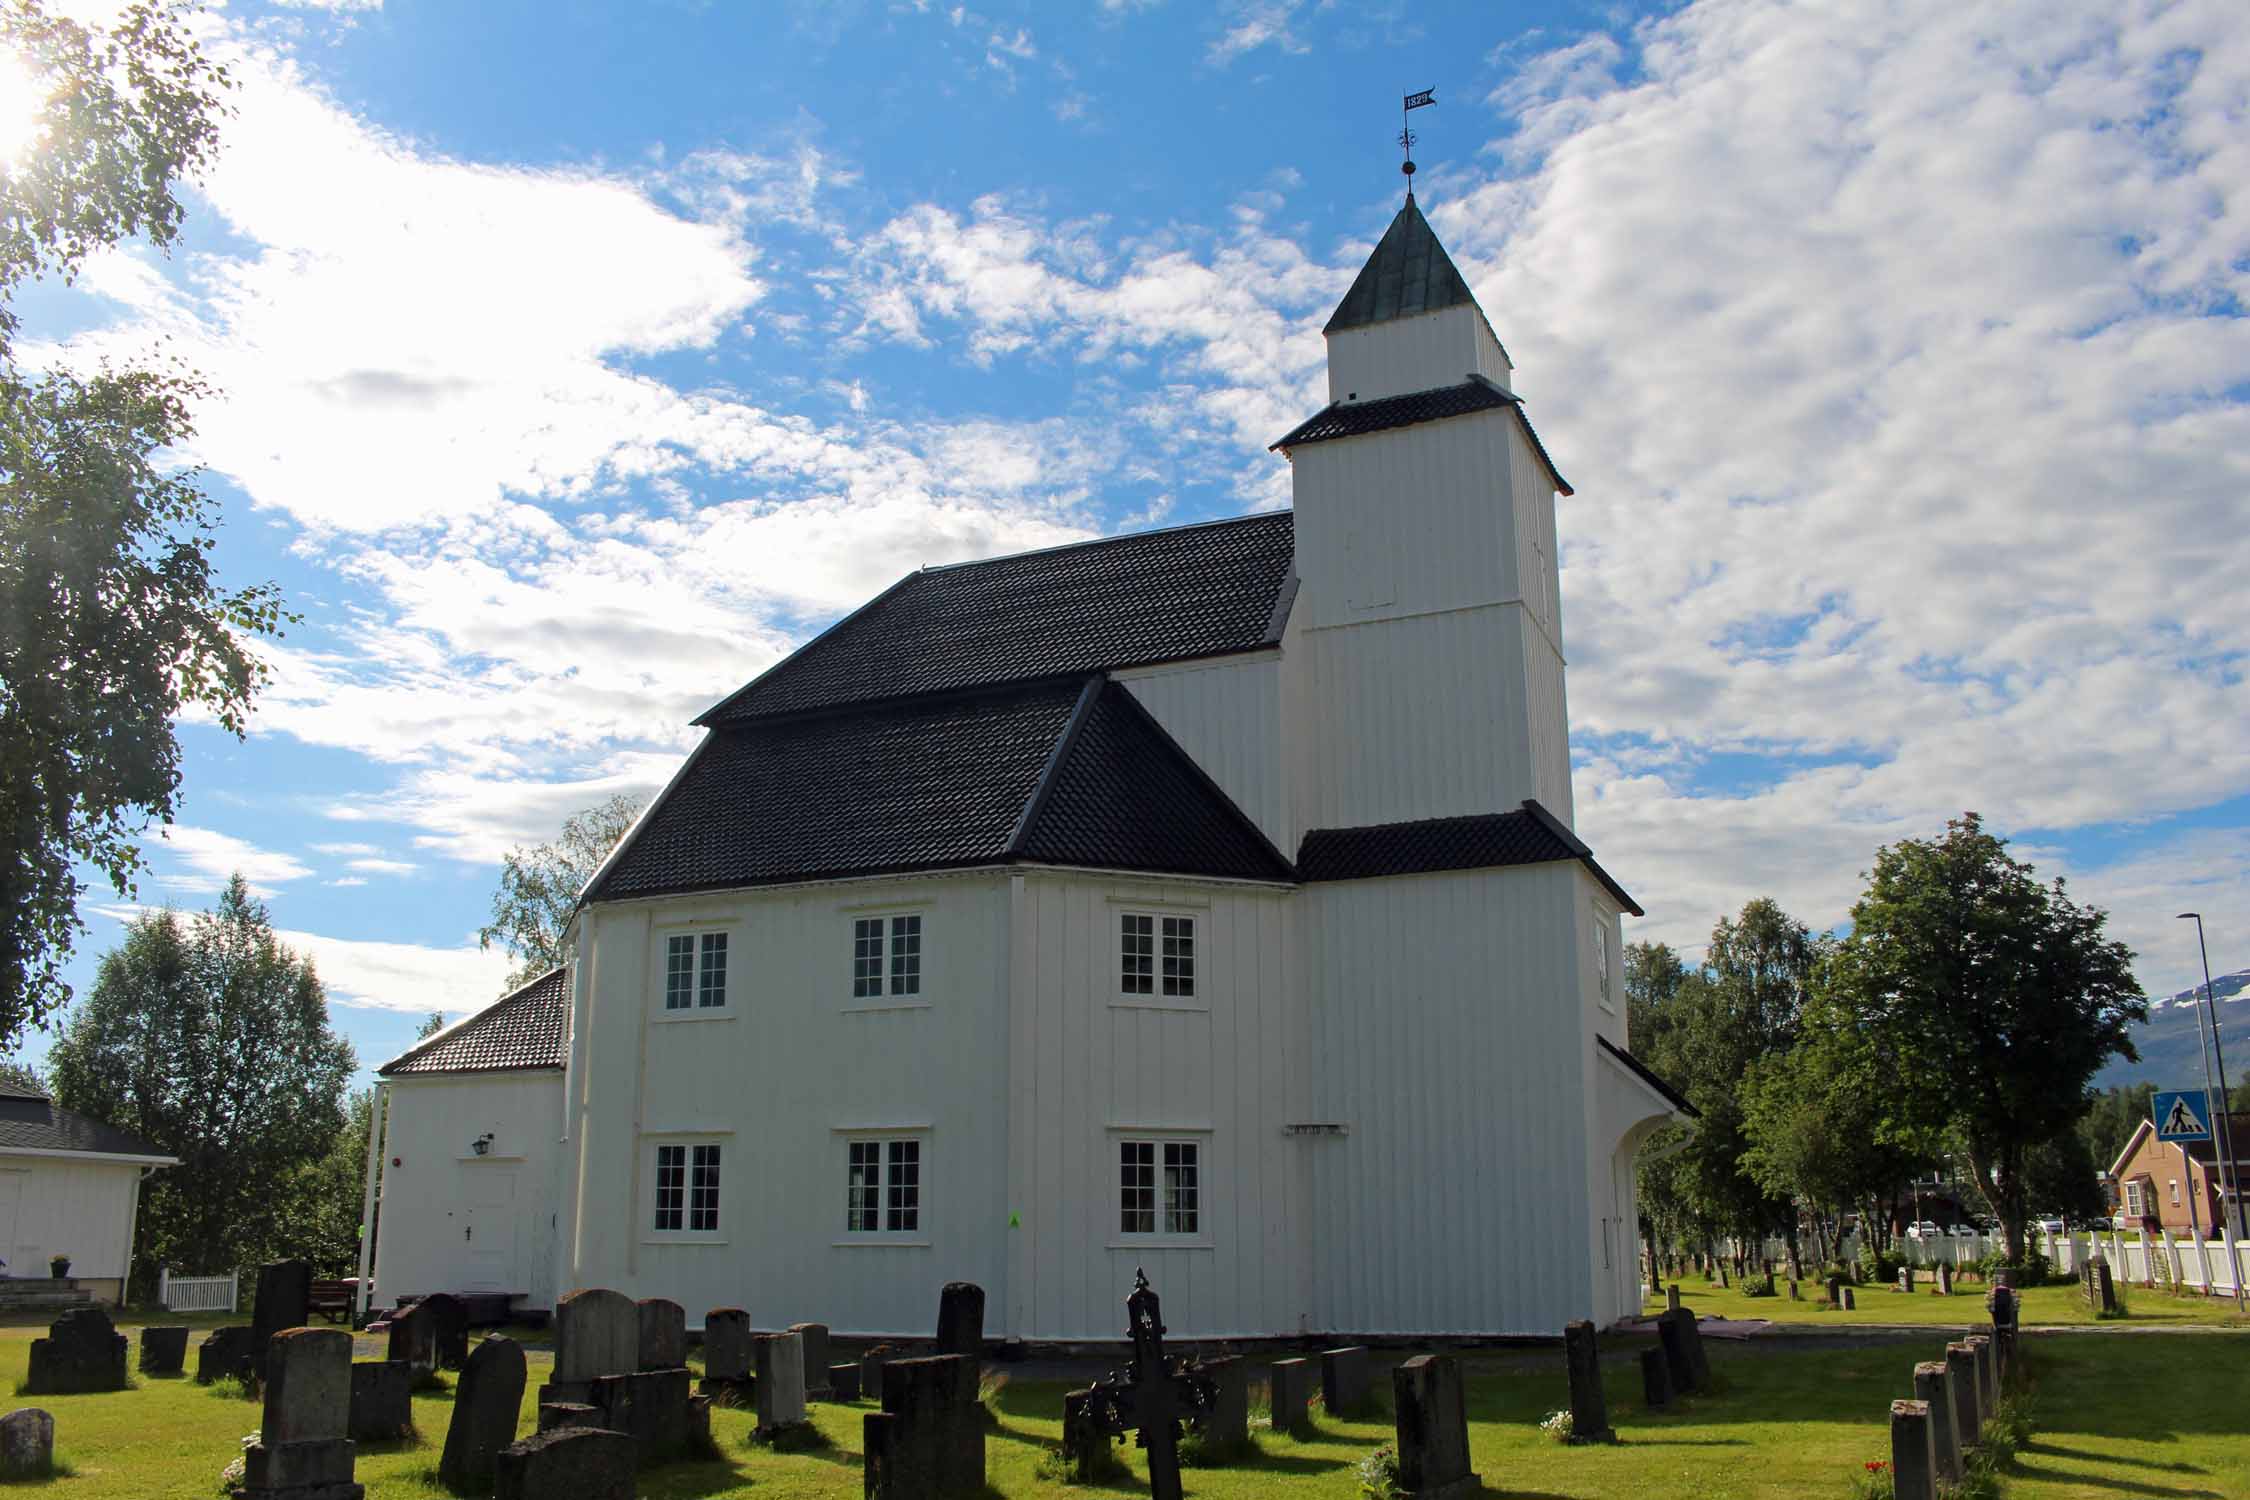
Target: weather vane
[{"x": 1407, "y": 138}]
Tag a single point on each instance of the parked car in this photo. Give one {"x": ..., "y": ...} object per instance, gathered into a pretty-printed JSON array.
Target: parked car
[
  {"x": 2049, "y": 1226},
  {"x": 1926, "y": 1230},
  {"x": 1966, "y": 1231}
]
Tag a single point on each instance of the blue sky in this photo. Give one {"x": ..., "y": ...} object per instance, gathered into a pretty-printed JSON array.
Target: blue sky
[{"x": 580, "y": 359}]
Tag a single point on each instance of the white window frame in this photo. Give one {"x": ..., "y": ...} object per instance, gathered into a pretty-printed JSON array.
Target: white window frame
[
  {"x": 698, "y": 936},
  {"x": 2136, "y": 1202},
  {"x": 1121, "y": 1238},
  {"x": 1198, "y": 996},
  {"x": 889, "y": 928},
  {"x": 691, "y": 1165},
  {"x": 1605, "y": 988},
  {"x": 885, "y": 1141}
]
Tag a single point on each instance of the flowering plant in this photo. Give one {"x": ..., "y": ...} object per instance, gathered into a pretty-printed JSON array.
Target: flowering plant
[{"x": 1558, "y": 1426}]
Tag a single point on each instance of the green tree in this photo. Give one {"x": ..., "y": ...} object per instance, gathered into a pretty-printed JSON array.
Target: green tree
[
  {"x": 209, "y": 1038},
  {"x": 2058, "y": 1178},
  {"x": 431, "y": 1025},
  {"x": 329, "y": 1193},
  {"x": 539, "y": 886},
  {"x": 2110, "y": 1118},
  {"x": 1991, "y": 1000},
  {"x": 112, "y": 621}
]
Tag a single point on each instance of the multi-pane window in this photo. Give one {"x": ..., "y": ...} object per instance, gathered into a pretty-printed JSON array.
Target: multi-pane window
[
  {"x": 687, "y": 1189},
  {"x": 1156, "y": 955},
  {"x": 2135, "y": 1205},
  {"x": 1160, "y": 1188},
  {"x": 900, "y": 938},
  {"x": 883, "y": 1187},
  {"x": 695, "y": 971}
]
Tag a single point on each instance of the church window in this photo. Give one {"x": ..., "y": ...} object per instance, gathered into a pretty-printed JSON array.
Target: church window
[
  {"x": 886, "y": 956},
  {"x": 1601, "y": 959},
  {"x": 687, "y": 1188},
  {"x": 1154, "y": 1199},
  {"x": 1156, "y": 955},
  {"x": 883, "y": 1186},
  {"x": 695, "y": 971}
]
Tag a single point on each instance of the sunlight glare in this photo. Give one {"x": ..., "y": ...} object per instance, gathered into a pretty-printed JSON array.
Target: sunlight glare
[{"x": 19, "y": 110}]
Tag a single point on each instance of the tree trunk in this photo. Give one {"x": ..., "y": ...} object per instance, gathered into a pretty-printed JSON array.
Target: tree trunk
[{"x": 1796, "y": 1259}]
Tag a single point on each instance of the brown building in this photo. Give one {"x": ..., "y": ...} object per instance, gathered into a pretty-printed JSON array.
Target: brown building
[{"x": 2175, "y": 1184}]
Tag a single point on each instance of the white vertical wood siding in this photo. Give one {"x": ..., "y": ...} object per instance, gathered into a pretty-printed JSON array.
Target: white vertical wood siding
[
  {"x": 1089, "y": 1070},
  {"x": 1227, "y": 715},
  {"x": 1413, "y": 354},
  {"x": 75, "y": 1206},
  {"x": 1444, "y": 1030},
  {"x": 454, "y": 1221},
  {"x": 777, "y": 1082}
]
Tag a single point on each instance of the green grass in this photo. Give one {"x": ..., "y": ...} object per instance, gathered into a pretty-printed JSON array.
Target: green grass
[
  {"x": 2113, "y": 1416},
  {"x": 2043, "y": 1306}
]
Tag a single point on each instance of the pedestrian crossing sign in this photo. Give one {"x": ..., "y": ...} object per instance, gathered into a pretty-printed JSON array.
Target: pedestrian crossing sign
[{"x": 2183, "y": 1115}]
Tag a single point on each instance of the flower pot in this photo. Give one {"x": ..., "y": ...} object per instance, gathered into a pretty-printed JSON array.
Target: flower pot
[{"x": 59, "y": 1267}]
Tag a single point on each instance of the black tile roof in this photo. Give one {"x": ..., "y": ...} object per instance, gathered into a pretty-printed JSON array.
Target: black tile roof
[
  {"x": 1342, "y": 419},
  {"x": 32, "y": 1122},
  {"x": 1189, "y": 591},
  {"x": 522, "y": 1029},
  {"x": 1529, "y": 836},
  {"x": 1063, "y": 771},
  {"x": 1409, "y": 273}
]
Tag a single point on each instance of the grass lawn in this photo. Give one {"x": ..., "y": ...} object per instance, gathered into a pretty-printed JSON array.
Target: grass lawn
[
  {"x": 2114, "y": 1414},
  {"x": 2043, "y": 1306}
]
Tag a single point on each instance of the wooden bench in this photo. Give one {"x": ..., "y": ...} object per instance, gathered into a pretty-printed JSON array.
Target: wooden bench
[{"x": 334, "y": 1300}]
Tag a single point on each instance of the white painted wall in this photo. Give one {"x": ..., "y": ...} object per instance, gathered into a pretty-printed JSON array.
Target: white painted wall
[
  {"x": 1419, "y": 353},
  {"x": 80, "y": 1206},
  {"x": 1226, "y": 713},
  {"x": 454, "y": 1221}
]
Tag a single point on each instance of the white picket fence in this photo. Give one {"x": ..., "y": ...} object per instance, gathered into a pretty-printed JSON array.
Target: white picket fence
[
  {"x": 191, "y": 1294},
  {"x": 2195, "y": 1262}
]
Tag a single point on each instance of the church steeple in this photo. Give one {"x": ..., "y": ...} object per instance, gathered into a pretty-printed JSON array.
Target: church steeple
[
  {"x": 1410, "y": 322},
  {"x": 1409, "y": 273}
]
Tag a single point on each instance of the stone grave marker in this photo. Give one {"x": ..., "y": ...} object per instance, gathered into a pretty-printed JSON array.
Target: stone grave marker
[
  {"x": 2001, "y": 1300},
  {"x": 1945, "y": 1446},
  {"x": 1944, "y": 1279},
  {"x": 382, "y": 1404},
  {"x": 556, "y": 1414},
  {"x": 163, "y": 1350},
  {"x": 1906, "y": 1278},
  {"x": 649, "y": 1406},
  {"x": 871, "y": 1370},
  {"x": 663, "y": 1339},
  {"x": 1988, "y": 1375},
  {"x": 927, "y": 1443},
  {"x": 1347, "y": 1380},
  {"x": 2101, "y": 1291},
  {"x": 1433, "y": 1429},
  {"x": 597, "y": 1335},
  {"x": 1794, "y": 1295},
  {"x": 1835, "y": 1291},
  {"x": 485, "y": 1405},
  {"x": 1913, "y": 1467},
  {"x": 1672, "y": 1298},
  {"x": 960, "y": 1328},
  {"x": 843, "y": 1382},
  {"x": 1851, "y": 1300},
  {"x": 1289, "y": 1395},
  {"x": 224, "y": 1353},
  {"x": 1151, "y": 1397},
  {"x": 284, "y": 1297},
  {"x": 303, "y": 1451},
  {"x": 82, "y": 1352},
  {"x": 1589, "y": 1411},
  {"x": 1656, "y": 1379},
  {"x": 726, "y": 1351},
  {"x": 414, "y": 1340},
  {"x": 1961, "y": 1384},
  {"x": 814, "y": 1337},
  {"x": 1673, "y": 1331},
  {"x": 567, "y": 1463},
  {"x": 778, "y": 1360},
  {"x": 27, "y": 1444},
  {"x": 449, "y": 1321},
  {"x": 1225, "y": 1428}
]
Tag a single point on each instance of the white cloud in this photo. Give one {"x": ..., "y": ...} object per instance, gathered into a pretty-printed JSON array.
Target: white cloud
[
  {"x": 382, "y": 866},
  {"x": 402, "y": 976},
  {"x": 1251, "y": 24},
  {"x": 204, "y": 859},
  {"x": 347, "y": 848}
]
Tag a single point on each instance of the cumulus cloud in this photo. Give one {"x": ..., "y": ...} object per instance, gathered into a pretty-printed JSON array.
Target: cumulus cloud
[{"x": 202, "y": 860}]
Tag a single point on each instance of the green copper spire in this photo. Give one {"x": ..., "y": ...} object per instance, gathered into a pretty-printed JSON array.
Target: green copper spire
[{"x": 1409, "y": 273}]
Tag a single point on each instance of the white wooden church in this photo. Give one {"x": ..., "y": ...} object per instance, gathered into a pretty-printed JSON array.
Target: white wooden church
[{"x": 1204, "y": 899}]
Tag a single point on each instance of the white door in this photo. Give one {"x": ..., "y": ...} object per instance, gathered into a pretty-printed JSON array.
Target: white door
[
  {"x": 11, "y": 1199},
  {"x": 488, "y": 1231}
]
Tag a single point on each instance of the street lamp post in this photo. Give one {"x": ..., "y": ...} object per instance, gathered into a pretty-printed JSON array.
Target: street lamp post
[{"x": 2228, "y": 1214}]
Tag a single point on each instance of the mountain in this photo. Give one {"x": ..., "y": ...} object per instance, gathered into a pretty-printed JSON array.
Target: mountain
[{"x": 2167, "y": 1041}]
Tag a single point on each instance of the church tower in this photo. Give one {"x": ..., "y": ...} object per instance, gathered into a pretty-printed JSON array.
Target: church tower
[{"x": 1428, "y": 624}]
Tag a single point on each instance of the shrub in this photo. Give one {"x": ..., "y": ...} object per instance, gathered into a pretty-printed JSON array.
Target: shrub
[
  {"x": 1880, "y": 1266},
  {"x": 1559, "y": 1426}
]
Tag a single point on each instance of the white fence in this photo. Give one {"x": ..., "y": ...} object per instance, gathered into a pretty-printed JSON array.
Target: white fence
[
  {"x": 2194, "y": 1263},
  {"x": 192, "y": 1294}
]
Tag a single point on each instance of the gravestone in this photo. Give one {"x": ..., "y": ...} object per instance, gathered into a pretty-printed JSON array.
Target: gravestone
[
  {"x": 1794, "y": 1295},
  {"x": 1913, "y": 1469},
  {"x": 225, "y": 1353},
  {"x": 1672, "y": 1299},
  {"x": 382, "y": 1404},
  {"x": 1835, "y": 1291},
  {"x": 568, "y": 1463},
  {"x": 449, "y": 1321},
  {"x": 699, "y": 1425},
  {"x": 1582, "y": 1359},
  {"x": 1906, "y": 1278},
  {"x": 1673, "y": 1331},
  {"x": 414, "y": 1340},
  {"x": 843, "y": 1382},
  {"x": 1433, "y": 1429},
  {"x": 778, "y": 1361},
  {"x": 303, "y": 1450},
  {"x": 2001, "y": 1300},
  {"x": 814, "y": 1338},
  {"x": 1961, "y": 1385},
  {"x": 1944, "y": 1279},
  {"x": 2101, "y": 1291},
  {"x": 650, "y": 1407},
  {"x": 556, "y": 1414},
  {"x": 597, "y": 1335},
  {"x": 927, "y": 1443},
  {"x": 82, "y": 1352},
  {"x": 1152, "y": 1397},
  {"x": 1988, "y": 1374},
  {"x": 1225, "y": 1428},
  {"x": 871, "y": 1370},
  {"x": 1656, "y": 1379},
  {"x": 1085, "y": 1441},
  {"x": 485, "y": 1406},
  {"x": 726, "y": 1351},
  {"x": 284, "y": 1299},
  {"x": 1347, "y": 1380},
  {"x": 1851, "y": 1300},
  {"x": 27, "y": 1444},
  {"x": 960, "y": 1324},
  {"x": 1945, "y": 1446},
  {"x": 1289, "y": 1395},
  {"x": 663, "y": 1337},
  {"x": 163, "y": 1350}
]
